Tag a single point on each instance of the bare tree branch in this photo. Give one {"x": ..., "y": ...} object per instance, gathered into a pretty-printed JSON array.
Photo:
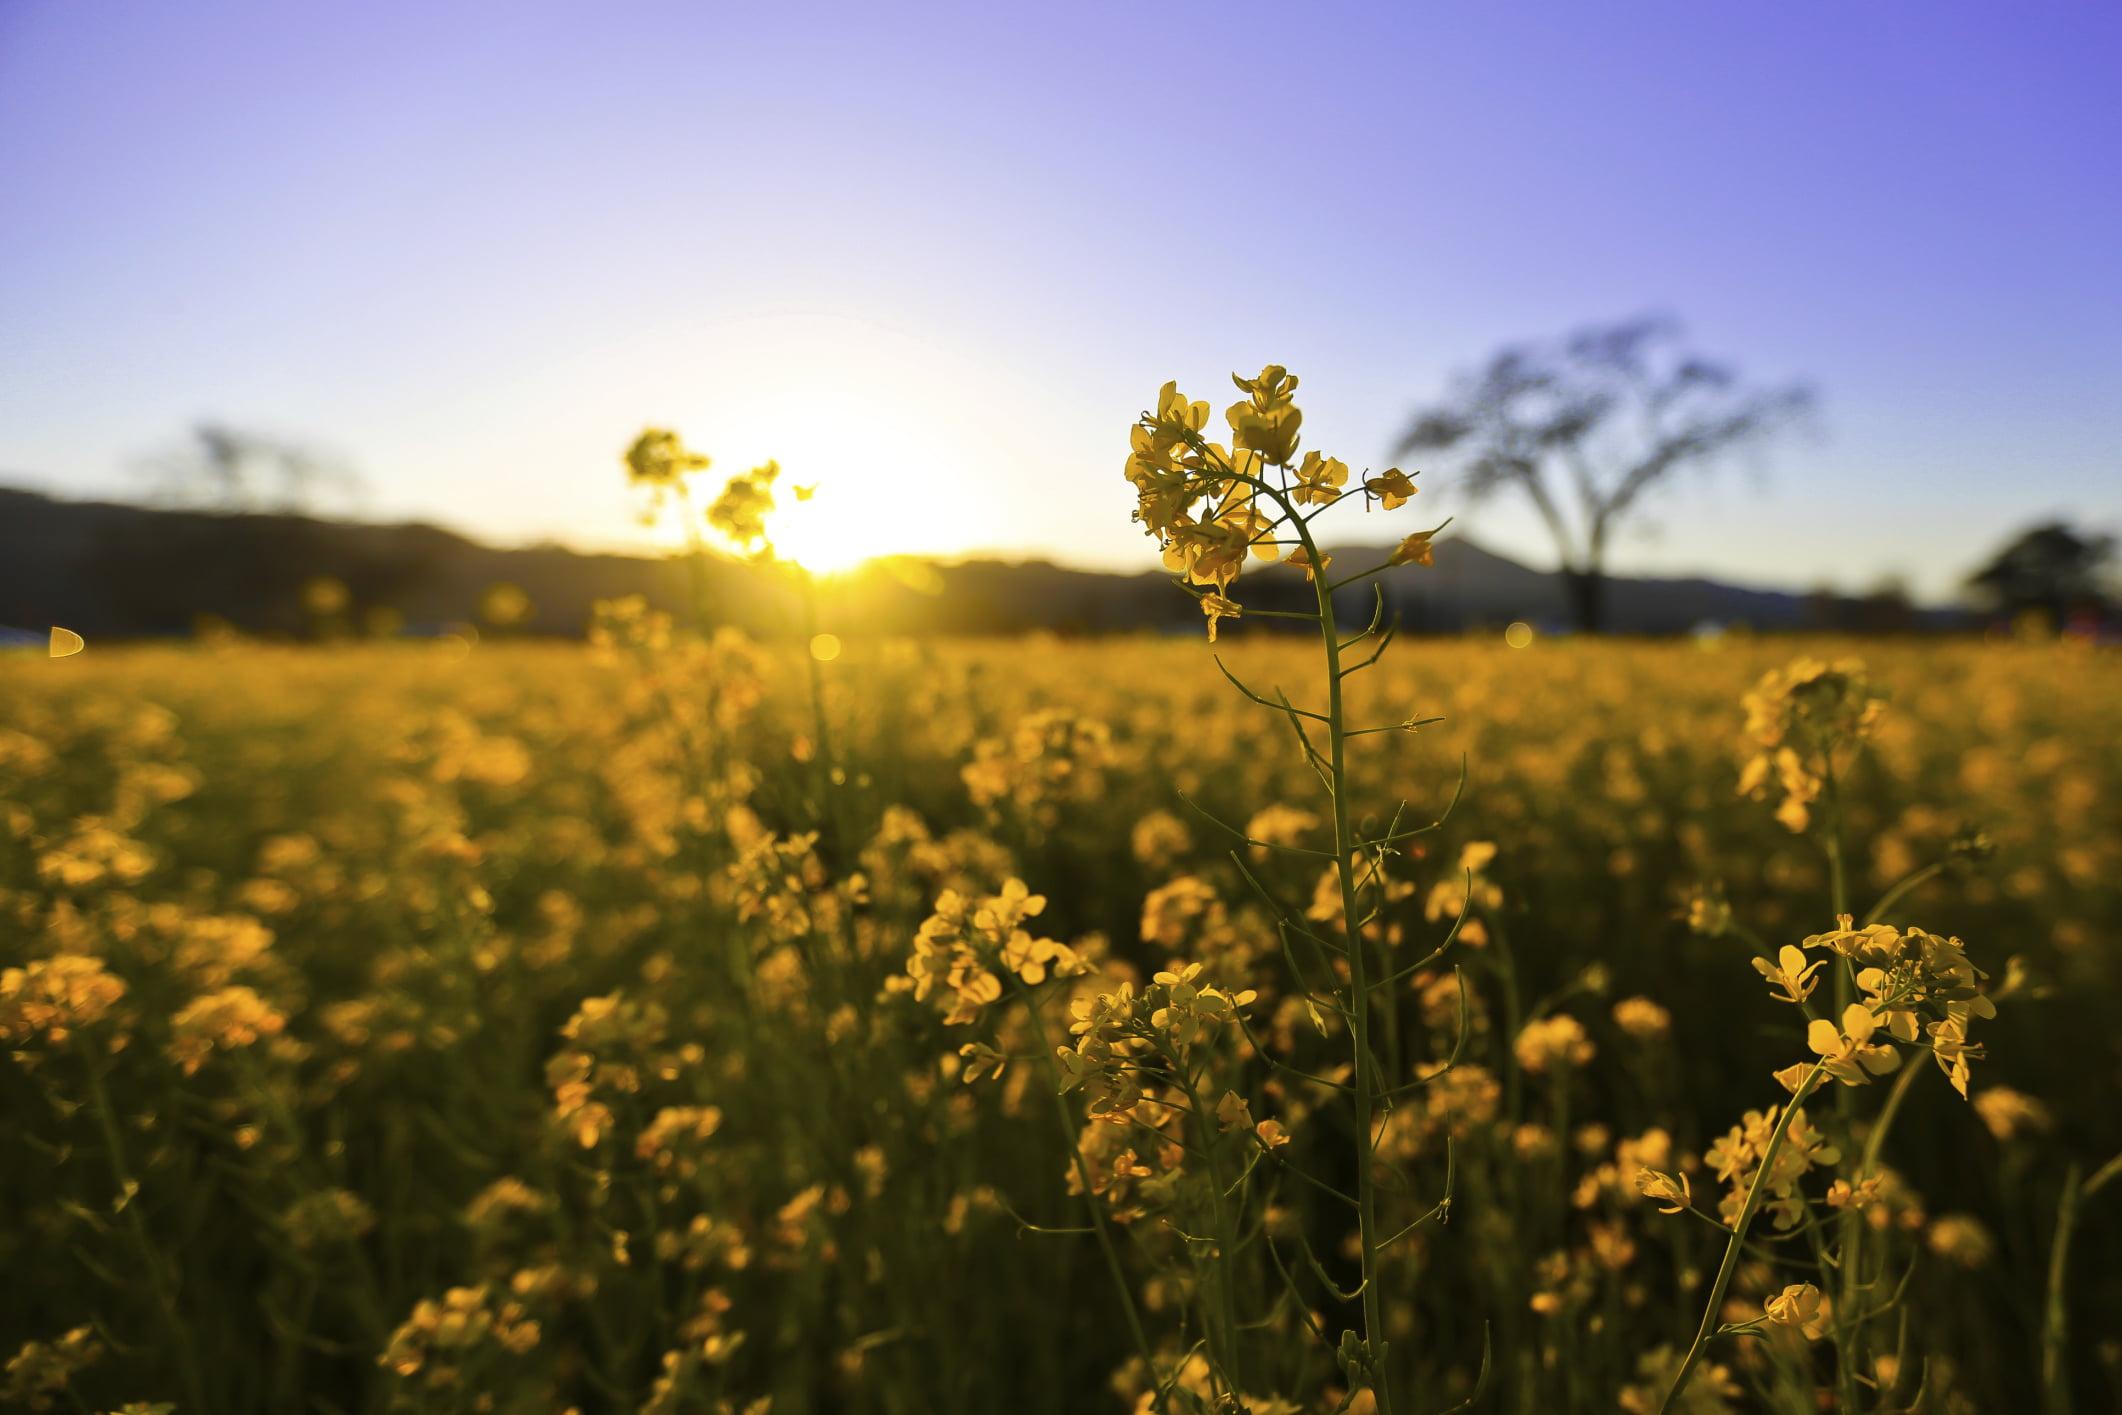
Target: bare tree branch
[{"x": 1604, "y": 417}]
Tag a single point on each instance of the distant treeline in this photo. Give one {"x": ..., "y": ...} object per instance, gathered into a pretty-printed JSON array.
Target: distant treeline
[{"x": 117, "y": 570}]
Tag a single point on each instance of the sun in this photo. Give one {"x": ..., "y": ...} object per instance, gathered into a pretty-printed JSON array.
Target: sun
[
  {"x": 871, "y": 420},
  {"x": 821, "y": 539}
]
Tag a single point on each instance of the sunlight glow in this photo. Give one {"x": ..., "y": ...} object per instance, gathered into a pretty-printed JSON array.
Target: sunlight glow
[
  {"x": 874, "y": 419},
  {"x": 821, "y": 540}
]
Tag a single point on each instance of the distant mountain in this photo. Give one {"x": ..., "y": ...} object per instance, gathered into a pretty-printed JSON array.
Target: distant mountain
[{"x": 118, "y": 570}]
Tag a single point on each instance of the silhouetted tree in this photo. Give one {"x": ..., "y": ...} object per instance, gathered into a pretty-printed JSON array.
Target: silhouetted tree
[
  {"x": 1589, "y": 425},
  {"x": 224, "y": 468},
  {"x": 2050, "y": 568}
]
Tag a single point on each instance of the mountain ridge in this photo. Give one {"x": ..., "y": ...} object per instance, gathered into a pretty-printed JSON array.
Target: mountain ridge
[{"x": 113, "y": 568}]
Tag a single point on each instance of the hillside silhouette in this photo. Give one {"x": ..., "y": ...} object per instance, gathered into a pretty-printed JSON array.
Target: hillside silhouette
[{"x": 116, "y": 570}]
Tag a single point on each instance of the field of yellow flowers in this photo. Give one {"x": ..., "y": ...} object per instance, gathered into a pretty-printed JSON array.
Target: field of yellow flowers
[{"x": 686, "y": 1024}]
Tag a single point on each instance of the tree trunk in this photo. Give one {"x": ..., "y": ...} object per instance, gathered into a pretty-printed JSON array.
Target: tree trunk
[{"x": 1587, "y": 598}]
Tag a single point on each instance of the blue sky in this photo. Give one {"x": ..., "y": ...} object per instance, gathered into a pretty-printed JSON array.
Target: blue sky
[{"x": 936, "y": 258}]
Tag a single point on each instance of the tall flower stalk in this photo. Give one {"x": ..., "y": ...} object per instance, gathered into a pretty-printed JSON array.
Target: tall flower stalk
[
  {"x": 1890, "y": 987},
  {"x": 1212, "y": 508}
]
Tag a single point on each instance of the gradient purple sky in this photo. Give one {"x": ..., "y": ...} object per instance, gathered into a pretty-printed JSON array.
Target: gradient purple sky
[{"x": 937, "y": 257}]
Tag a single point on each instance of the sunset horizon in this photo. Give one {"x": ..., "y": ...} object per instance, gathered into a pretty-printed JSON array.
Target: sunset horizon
[{"x": 467, "y": 261}]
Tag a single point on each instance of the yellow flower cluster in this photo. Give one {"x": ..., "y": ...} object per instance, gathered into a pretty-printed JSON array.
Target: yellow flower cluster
[
  {"x": 1051, "y": 756},
  {"x": 1554, "y": 1043},
  {"x": 613, "y": 1048},
  {"x": 1211, "y": 507},
  {"x": 1736, "y": 1159},
  {"x": 622, "y": 861},
  {"x": 225, "y": 1020},
  {"x": 441, "y": 1338},
  {"x": 968, "y": 945},
  {"x": 51, "y": 998},
  {"x": 740, "y": 512},
  {"x": 660, "y": 458},
  {"x": 42, "y": 1371},
  {"x": 1797, "y": 718},
  {"x": 1116, "y": 1031},
  {"x": 779, "y": 883},
  {"x": 1804, "y": 1306},
  {"x": 1914, "y": 984},
  {"x": 673, "y": 1142}
]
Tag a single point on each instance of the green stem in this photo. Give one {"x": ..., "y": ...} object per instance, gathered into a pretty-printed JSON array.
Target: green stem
[
  {"x": 1733, "y": 1247},
  {"x": 179, "y": 1338},
  {"x": 1908, "y": 882},
  {"x": 1876, "y": 1141},
  {"x": 366, "y": 1295},
  {"x": 817, "y": 679},
  {"x": 2055, "y": 1322},
  {"x": 1851, "y": 1236},
  {"x": 1366, "y": 1079},
  {"x": 1226, "y": 1238},
  {"x": 1090, "y": 1196},
  {"x": 1506, "y": 968}
]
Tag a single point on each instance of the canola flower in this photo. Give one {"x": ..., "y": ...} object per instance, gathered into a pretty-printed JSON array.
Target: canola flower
[
  {"x": 1212, "y": 507},
  {"x": 52, "y": 998},
  {"x": 1894, "y": 986},
  {"x": 616, "y": 863}
]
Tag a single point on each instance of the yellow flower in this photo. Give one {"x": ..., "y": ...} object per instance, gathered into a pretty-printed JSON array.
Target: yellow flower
[
  {"x": 1850, "y": 1055},
  {"x": 1952, "y": 1050},
  {"x": 41, "y": 1371},
  {"x": 1642, "y": 1018},
  {"x": 1210, "y": 553},
  {"x": 221, "y": 1021},
  {"x": 1736, "y": 1156},
  {"x": 1708, "y": 913},
  {"x": 1803, "y": 1306},
  {"x": 672, "y": 1141},
  {"x": 1859, "y": 1196},
  {"x": 1873, "y": 941},
  {"x": 1557, "y": 1041},
  {"x": 1961, "y": 1239},
  {"x": 966, "y": 944},
  {"x": 1797, "y": 718},
  {"x": 2008, "y": 1113},
  {"x": 1175, "y": 411},
  {"x": 51, "y": 997},
  {"x": 1301, "y": 558},
  {"x": 741, "y": 510},
  {"x": 1791, "y": 973},
  {"x": 1415, "y": 550},
  {"x": 978, "y": 1059},
  {"x": 1671, "y": 1192},
  {"x": 660, "y": 458},
  {"x": 1218, "y": 608},
  {"x": 1393, "y": 488},
  {"x": 1319, "y": 480},
  {"x": 1190, "y": 1009},
  {"x": 1267, "y": 420}
]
